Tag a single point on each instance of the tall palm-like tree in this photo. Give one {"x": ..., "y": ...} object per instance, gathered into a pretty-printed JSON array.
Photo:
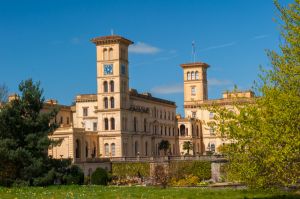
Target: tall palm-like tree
[
  {"x": 164, "y": 145},
  {"x": 187, "y": 146}
]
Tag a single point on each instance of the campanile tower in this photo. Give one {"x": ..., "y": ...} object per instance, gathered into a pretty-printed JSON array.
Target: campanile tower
[{"x": 195, "y": 82}]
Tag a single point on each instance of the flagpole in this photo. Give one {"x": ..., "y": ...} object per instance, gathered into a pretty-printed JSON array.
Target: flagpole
[{"x": 193, "y": 52}]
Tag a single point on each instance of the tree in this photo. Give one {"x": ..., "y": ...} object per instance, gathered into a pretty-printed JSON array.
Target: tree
[
  {"x": 164, "y": 145},
  {"x": 24, "y": 141},
  {"x": 3, "y": 93},
  {"x": 266, "y": 134},
  {"x": 187, "y": 146}
]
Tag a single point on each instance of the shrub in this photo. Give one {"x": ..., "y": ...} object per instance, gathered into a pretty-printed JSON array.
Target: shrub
[
  {"x": 122, "y": 170},
  {"x": 200, "y": 169},
  {"x": 190, "y": 180},
  {"x": 74, "y": 175},
  {"x": 20, "y": 183},
  {"x": 46, "y": 180},
  {"x": 99, "y": 177},
  {"x": 161, "y": 176}
]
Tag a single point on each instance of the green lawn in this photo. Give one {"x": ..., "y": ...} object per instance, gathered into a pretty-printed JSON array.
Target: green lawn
[{"x": 134, "y": 192}]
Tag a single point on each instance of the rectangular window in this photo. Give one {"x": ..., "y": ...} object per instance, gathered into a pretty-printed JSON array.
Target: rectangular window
[
  {"x": 211, "y": 115},
  {"x": 193, "y": 90},
  {"x": 123, "y": 69},
  {"x": 95, "y": 126},
  {"x": 212, "y": 131},
  {"x": 194, "y": 114},
  {"x": 68, "y": 120},
  {"x": 85, "y": 111}
]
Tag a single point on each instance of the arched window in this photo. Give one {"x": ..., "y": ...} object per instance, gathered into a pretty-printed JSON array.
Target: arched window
[
  {"x": 77, "y": 151},
  {"x": 135, "y": 124},
  {"x": 213, "y": 147},
  {"x": 105, "y": 54},
  {"x": 165, "y": 130},
  {"x": 197, "y": 75},
  {"x": 182, "y": 130},
  {"x": 86, "y": 149},
  {"x": 105, "y": 100},
  {"x": 106, "y": 149},
  {"x": 110, "y": 55},
  {"x": 94, "y": 150},
  {"x": 193, "y": 130},
  {"x": 112, "y": 123},
  {"x": 169, "y": 131},
  {"x": 136, "y": 147},
  {"x": 145, "y": 125},
  {"x": 105, "y": 123},
  {"x": 112, "y": 102},
  {"x": 112, "y": 86},
  {"x": 105, "y": 87},
  {"x": 146, "y": 148},
  {"x": 193, "y": 75},
  {"x": 188, "y": 76},
  {"x": 113, "y": 149}
]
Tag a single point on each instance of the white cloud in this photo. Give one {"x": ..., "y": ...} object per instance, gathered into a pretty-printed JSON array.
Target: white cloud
[
  {"x": 259, "y": 37},
  {"x": 218, "y": 82},
  {"x": 219, "y": 46},
  {"x": 165, "y": 58},
  {"x": 143, "y": 48},
  {"x": 178, "y": 88},
  {"x": 168, "y": 89}
]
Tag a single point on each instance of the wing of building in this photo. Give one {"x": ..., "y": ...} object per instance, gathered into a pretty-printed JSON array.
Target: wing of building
[{"x": 120, "y": 122}]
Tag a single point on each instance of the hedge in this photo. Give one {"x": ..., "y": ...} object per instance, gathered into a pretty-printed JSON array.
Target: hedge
[
  {"x": 131, "y": 169},
  {"x": 181, "y": 169}
]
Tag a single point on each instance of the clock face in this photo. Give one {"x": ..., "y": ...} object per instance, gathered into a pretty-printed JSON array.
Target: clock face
[
  {"x": 108, "y": 69},
  {"x": 123, "y": 69}
]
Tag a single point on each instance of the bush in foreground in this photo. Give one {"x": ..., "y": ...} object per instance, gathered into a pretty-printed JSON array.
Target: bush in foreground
[
  {"x": 74, "y": 175},
  {"x": 99, "y": 177}
]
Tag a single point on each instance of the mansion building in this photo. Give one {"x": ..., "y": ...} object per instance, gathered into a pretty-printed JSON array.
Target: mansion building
[{"x": 121, "y": 122}]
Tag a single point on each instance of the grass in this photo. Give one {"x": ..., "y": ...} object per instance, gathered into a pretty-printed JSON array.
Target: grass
[{"x": 69, "y": 192}]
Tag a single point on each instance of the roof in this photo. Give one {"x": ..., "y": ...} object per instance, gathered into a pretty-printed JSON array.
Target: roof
[
  {"x": 60, "y": 106},
  {"x": 190, "y": 119},
  {"x": 86, "y": 98},
  {"x": 111, "y": 39},
  {"x": 194, "y": 64},
  {"x": 226, "y": 101},
  {"x": 148, "y": 96}
]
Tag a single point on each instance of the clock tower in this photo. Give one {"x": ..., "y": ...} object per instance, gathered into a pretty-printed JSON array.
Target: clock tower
[{"x": 112, "y": 85}]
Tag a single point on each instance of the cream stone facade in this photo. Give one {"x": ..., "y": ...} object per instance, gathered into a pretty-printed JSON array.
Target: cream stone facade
[
  {"x": 196, "y": 104},
  {"x": 120, "y": 122}
]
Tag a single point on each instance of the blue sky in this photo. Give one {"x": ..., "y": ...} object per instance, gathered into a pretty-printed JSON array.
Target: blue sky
[{"x": 49, "y": 41}]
